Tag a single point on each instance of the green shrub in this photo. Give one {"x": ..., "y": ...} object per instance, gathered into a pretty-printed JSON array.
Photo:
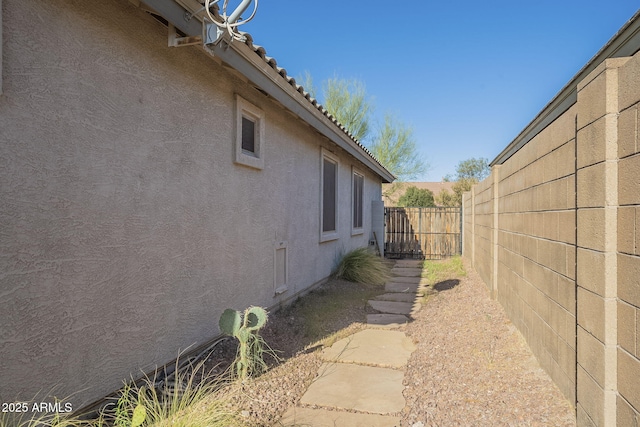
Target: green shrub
[{"x": 363, "y": 266}]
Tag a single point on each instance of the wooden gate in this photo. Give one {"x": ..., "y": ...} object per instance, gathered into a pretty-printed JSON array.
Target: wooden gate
[{"x": 423, "y": 233}]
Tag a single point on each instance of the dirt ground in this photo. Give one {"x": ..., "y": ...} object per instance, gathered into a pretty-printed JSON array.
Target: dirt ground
[{"x": 471, "y": 366}]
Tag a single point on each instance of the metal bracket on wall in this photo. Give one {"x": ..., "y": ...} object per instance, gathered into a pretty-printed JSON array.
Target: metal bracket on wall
[
  {"x": 211, "y": 33},
  {"x": 176, "y": 40}
]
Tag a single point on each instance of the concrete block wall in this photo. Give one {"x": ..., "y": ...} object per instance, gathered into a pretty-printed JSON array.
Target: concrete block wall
[
  {"x": 627, "y": 255},
  {"x": 561, "y": 250},
  {"x": 483, "y": 224}
]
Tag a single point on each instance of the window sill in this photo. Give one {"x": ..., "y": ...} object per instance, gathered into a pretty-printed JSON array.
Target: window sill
[
  {"x": 328, "y": 237},
  {"x": 357, "y": 231}
]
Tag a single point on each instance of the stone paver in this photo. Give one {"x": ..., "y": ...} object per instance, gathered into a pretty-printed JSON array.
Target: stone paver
[
  {"x": 372, "y": 347},
  {"x": 406, "y": 272},
  {"x": 404, "y": 279},
  {"x": 394, "y": 307},
  {"x": 323, "y": 418},
  {"x": 402, "y": 287},
  {"x": 363, "y": 371},
  {"x": 387, "y": 320},
  {"x": 397, "y": 296},
  {"x": 355, "y": 387}
]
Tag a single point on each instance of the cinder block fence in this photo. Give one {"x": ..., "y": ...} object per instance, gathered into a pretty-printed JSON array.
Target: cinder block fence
[{"x": 554, "y": 232}]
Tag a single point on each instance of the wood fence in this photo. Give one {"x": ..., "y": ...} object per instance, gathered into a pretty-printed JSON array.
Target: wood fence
[{"x": 423, "y": 233}]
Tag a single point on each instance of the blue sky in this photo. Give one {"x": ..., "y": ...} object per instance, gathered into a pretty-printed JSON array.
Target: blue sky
[{"x": 467, "y": 76}]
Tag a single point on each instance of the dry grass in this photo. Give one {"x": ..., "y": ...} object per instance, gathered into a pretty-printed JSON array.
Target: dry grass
[{"x": 363, "y": 266}]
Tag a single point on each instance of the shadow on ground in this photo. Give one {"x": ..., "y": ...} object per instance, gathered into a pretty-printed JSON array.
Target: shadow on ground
[{"x": 446, "y": 285}]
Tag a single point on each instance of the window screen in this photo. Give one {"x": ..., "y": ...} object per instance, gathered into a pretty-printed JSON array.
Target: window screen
[
  {"x": 358, "y": 186},
  {"x": 248, "y": 135},
  {"x": 329, "y": 175}
]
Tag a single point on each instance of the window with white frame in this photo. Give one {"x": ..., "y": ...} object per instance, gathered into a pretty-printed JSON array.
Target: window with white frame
[
  {"x": 329, "y": 197},
  {"x": 249, "y": 144},
  {"x": 357, "y": 209}
]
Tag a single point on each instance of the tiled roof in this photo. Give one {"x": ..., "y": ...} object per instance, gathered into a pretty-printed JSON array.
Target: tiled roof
[{"x": 262, "y": 53}]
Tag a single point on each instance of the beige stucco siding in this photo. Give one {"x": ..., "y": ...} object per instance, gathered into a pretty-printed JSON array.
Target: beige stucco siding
[{"x": 125, "y": 225}]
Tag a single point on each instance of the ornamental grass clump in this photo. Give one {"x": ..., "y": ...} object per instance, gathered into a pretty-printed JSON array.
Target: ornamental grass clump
[
  {"x": 187, "y": 398},
  {"x": 363, "y": 266}
]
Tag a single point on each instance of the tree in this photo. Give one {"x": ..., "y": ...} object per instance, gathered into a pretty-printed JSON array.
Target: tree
[
  {"x": 468, "y": 173},
  {"x": 416, "y": 197},
  {"x": 348, "y": 102},
  {"x": 445, "y": 198},
  {"x": 392, "y": 143},
  {"x": 473, "y": 169},
  {"x": 394, "y": 146}
]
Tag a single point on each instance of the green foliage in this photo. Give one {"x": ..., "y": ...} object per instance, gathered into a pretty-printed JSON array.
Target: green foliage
[
  {"x": 139, "y": 415},
  {"x": 363, "y": 266},
  {"x": 394, "y": 146},
  {"x": 348, "y": 102},
  {"x": 193, "y": 398},
  {"x": 468, "y": 173},
  {"x": 446, "y": 198},
  {"x": 416, "y": 197},
  {"x": 473, "y": 169},
  {"x": 392, "y": 143},
  {"x": 129, "y": 413},
  {"x": 244, "y": 327},
  {"x": 230, "y": 322},
  {"x": 306, "y": 81},
  {"x": 439, "y": 271}
]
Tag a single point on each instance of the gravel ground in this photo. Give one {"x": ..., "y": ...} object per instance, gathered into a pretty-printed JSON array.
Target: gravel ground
[{"x": 471, "y": 366}]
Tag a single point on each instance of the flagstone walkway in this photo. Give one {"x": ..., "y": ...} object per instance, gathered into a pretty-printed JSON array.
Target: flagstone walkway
[{"x": 360, "y": 383}]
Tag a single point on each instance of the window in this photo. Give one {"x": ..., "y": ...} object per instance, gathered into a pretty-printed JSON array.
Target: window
[
  {"x": 329, "y": 197},
  {"x": 248, "y": 136},
  {"x": 357, "y": 202},
  {"x": 249, "y": 147}
]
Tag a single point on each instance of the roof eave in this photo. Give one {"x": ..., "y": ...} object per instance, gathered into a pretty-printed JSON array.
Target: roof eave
[
  {"x": 243, "y": 59},
  {"x": 268, "y": 79}
]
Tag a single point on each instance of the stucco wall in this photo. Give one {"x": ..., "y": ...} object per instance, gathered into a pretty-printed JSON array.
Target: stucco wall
[
  {"x": 567, "y": 251},
  {"x": 126, "y": 228}
]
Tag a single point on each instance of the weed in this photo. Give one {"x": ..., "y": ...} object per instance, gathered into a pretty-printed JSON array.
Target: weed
[
  {"x": 441, "y": 274},
  {"x": 439, "y": 271},
  {"x": 363, "y": 266}
]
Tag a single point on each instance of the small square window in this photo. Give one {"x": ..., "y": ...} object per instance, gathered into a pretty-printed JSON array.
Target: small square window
[{"x": 249, "y": 145}]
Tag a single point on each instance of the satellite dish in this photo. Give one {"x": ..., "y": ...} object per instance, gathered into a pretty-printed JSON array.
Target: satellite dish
[{"x": 230, "y": 22}]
